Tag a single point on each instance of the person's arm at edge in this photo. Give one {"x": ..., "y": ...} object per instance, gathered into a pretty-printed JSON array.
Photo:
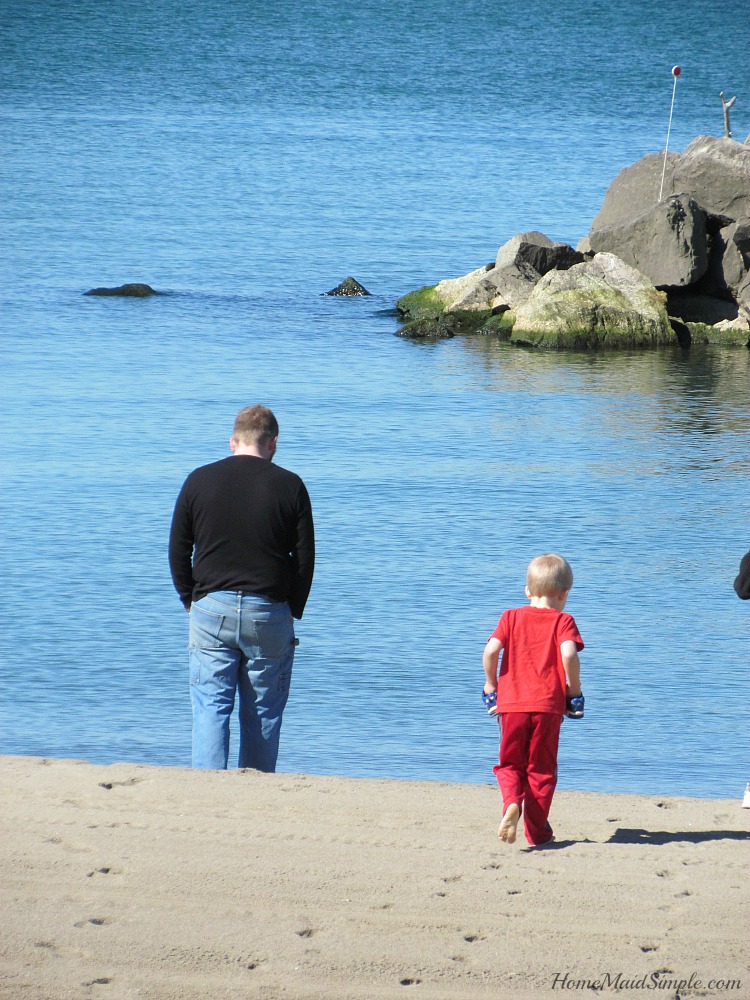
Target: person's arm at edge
[
  {"x": 181, "y": 550},
  {"x": 572, "y": 665},
  {"x": 490, "y": 658},
  {"x": 303, "y": 556},
  {"x": 742, "y": 583}
]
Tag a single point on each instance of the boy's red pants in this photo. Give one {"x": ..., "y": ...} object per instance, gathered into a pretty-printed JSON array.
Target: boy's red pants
[{"x": 527, "y": 772}]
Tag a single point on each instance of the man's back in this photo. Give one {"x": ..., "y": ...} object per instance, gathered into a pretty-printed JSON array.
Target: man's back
[{"x": 250, "y": 522}]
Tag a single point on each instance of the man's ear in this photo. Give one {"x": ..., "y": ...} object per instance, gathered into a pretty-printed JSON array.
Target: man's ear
[
  {"x": 233, "y": 444},
  {"x": 527, "y": 592}
]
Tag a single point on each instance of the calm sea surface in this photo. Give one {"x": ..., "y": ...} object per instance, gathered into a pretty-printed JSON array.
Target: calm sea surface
[{"x": 246, "y": 158}]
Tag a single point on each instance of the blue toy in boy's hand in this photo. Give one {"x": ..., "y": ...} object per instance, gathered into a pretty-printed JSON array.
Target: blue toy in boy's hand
[
  {"x": 490, "y": 700},
  {"x": 574, "y": 707}
]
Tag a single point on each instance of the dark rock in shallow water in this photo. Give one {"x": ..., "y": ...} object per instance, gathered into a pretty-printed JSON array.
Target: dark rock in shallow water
[
  {"x": 133, "y": 291},
  {"x": 348, "y": 287}
]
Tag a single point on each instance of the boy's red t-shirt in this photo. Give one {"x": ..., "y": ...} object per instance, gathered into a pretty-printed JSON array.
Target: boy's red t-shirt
[{"x": 532, "y": 675}]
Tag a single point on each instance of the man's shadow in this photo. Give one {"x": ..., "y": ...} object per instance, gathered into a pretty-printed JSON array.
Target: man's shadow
[{"x": 623, "y": 835}]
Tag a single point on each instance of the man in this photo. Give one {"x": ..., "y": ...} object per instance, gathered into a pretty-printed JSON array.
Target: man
[
  {"x": 742, "y": 583},
  {"x": 241, "y": 552}
]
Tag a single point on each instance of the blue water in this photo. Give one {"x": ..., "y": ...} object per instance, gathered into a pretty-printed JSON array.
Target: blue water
[{"x": 246, "y": 159}]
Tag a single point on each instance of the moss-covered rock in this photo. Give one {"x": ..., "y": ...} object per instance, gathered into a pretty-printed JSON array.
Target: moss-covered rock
[
  {"x": 730, "y": 333},
  {"x": 599, "y": 304},
  {"x": 423, "y": 303},
  {"x": 446, "y": 325},
  {"x": 498, "y": 325}
]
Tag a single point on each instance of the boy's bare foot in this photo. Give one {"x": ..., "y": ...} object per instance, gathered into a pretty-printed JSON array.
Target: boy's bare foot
[{"x": 507, "y": 829}]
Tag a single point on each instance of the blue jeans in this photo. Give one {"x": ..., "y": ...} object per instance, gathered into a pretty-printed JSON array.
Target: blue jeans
[{"x": 239, "y": 641}]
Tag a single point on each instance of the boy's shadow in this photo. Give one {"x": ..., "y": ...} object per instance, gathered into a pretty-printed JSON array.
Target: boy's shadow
[
  {"x": 623, "y": 835},
  {"x": 556, "y": 845}
]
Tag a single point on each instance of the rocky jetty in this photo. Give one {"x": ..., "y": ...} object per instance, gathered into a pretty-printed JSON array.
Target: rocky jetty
[{"x": 652, "y": 270}]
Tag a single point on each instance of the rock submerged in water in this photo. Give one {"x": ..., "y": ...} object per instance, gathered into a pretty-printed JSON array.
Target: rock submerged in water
[
  {"x": 645, "y": 263},
  {"x": 134, "y": 290},
  {"x": 349, "y": 287}
]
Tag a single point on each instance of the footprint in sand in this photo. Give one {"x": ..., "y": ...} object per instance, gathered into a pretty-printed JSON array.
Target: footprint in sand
[
  {"x": 120, "y": 784},
  {"x": 96, "y": 921}
]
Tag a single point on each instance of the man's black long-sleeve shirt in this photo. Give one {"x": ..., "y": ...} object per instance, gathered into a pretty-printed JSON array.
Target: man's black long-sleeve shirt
[
  {"x": 245, "y": 524},
  {"x": 742, "y": 583}
]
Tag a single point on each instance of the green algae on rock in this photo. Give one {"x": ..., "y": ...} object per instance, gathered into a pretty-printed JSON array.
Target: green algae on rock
[{"x": 600, "y": 304}]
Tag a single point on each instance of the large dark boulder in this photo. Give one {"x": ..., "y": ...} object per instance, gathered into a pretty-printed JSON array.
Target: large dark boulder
[
  {"x": 667, "y": 242},
  {"x": 635, "y": 189},
  {"x": 133, "y": 291},
  {"x": 714, "y": 172}
]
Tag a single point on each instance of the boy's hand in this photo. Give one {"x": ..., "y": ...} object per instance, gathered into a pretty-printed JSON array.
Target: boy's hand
[
  {"x": 490, "y": 700},
  {"x": 574, "y": 706}
]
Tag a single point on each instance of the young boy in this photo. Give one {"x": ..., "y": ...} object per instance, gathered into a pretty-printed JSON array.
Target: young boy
[{"x": 538, "y": 683}]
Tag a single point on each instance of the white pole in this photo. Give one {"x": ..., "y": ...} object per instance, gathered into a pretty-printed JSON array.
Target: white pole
[{"x": 675, "y": 73}]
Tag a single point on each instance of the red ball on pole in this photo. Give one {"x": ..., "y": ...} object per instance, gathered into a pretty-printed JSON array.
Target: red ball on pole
[{"x": 676, "y": 71}]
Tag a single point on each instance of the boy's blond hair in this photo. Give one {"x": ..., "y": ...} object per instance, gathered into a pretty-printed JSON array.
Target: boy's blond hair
[{"x": 548, "y": 576}]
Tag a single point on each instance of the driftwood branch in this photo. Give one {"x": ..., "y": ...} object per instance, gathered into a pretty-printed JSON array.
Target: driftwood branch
[{"x": 727, "y": 105}]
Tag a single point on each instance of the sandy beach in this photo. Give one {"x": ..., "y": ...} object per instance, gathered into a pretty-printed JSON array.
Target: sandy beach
[{"x": 171, "y": 884}]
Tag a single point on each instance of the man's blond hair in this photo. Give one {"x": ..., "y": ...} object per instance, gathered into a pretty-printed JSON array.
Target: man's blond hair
[
  {"x": 548, "y": 576},
  {"x": 255, "y": 425}
]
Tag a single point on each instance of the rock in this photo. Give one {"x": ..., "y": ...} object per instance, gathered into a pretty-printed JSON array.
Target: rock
[
  {"x": 667, "y": 243},
  {"x": 349, "y": 287},
  {"x": 728, "y": 262},
  {"x": 430, "y": 328},
  {"x": 539, "y": 251},
  {"x": 635, "y": 189},
  {"x": 602, "y": 303},
  {"x": 509, "y": 285},
  {"x": 714, "y": 172},
  {"x": 506, "y": 283},
  {"x": 451, "y": 291},
  {"x": 727, "y": 333},
  {"x": 423, "y": 303},
  {"x": 135, "y": 290},
  {"x": 743, "y": 296}
]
